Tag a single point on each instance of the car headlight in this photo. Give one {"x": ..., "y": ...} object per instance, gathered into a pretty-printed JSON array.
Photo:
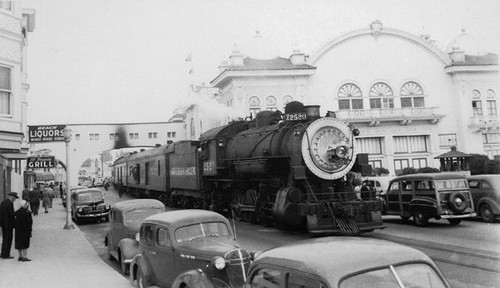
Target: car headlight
[
  {"x": 107, "y": 207},
  {"x": 80, "y": 210},
  {"x": 219, "y": 262}
]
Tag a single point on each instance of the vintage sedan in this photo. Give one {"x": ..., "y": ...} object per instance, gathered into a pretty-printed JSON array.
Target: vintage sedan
[
  {"x": 71, "y": 190},
  {"x": 485, "y": 190},
  {"x": 89, "y": 204},
  {"x": 184, "y": 247},
  {"x": 125, "y": 219},
  {"x": 345, "y": 262}
]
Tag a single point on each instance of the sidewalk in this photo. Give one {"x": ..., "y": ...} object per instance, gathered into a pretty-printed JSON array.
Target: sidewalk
[{"x": 60, "y": 258}]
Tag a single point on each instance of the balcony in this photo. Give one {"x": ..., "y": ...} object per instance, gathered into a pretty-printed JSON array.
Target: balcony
[
  {"x": 484, "y": 123},
  {"x": 404, "y": 116}
]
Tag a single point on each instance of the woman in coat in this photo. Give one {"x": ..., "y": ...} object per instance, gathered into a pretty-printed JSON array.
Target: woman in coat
[
  {"x": 23, "y": 224},
  {"x": 47, "y": 196}
]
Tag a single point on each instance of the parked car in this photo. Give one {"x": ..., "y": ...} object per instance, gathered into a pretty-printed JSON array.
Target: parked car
[
  {"x": 71, "y": 190},
  {"x": 99, "y": 182},
  {"x": 485, "y": 190},
  {"x": 430, "y": 195},
  {"x": 178, "y": 248},
  {"x": 89, "y": 204},
  {"x": 346, "y": 262},
  {"x": 125, "y": 219}
]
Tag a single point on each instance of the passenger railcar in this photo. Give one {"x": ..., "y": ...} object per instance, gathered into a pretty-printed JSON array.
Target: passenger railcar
[{"x": 292, "y": 170}]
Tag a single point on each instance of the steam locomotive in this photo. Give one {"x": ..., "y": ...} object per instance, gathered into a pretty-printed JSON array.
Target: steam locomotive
[{"x": 295, "y": 170}]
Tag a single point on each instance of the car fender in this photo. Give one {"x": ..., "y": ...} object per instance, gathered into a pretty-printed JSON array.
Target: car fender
[
  {"x": 493, "y": 204},
  {"x": 193, "y": 278},
  {"x": 138, "y": 261},
  {"x": 424, "y": 204},
  {"x": 129, "y": 248}
]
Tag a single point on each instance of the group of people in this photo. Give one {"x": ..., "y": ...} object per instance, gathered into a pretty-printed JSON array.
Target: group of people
[
  {"x": 20, "y": 221},
  {"x": 40, "y": 193}
]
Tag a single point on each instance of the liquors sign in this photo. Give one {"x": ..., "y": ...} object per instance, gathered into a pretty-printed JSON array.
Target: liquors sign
[
  {"x": 46, "y": 133},
  {"x": 41, "y": 162}
]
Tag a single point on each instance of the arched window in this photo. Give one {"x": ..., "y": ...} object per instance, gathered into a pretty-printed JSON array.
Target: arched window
[
  {"x": 490, "y": 93},
  {"x": 350, "y": 97},
  {"x": 271, "y": 103},
  {"x": 412, "y": 95},
  {"x": 477, "y": 105},
  {"x": 254, "y": 103},
  {"x": 381, "y": 96}
]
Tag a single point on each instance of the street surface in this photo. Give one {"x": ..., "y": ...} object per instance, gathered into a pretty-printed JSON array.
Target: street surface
[{"x": 468, "y": 254}]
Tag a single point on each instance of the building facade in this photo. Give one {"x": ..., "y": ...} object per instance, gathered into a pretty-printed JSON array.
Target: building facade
[
  {"x": 411, "y": 100},
  {"x": 15, "y": 24}
]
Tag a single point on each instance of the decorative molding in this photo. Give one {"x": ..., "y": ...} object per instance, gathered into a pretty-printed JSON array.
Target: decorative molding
[{"x": 376, "y": 28}]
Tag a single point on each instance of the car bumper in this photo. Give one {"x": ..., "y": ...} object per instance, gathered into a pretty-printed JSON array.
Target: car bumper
[
  {"x": 94, "y": 215},
  {"x": 458, "y": 216}
]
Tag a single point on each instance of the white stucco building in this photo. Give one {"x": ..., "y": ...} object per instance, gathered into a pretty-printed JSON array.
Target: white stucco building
[
  {"x": 15, "y": 24},
  {"x": 411, "y": 100}
]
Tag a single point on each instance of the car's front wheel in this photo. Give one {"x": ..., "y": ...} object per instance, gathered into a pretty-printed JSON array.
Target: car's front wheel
[
  {"x": 486, "y": 213},
  {"x": 141, "y": 279}
]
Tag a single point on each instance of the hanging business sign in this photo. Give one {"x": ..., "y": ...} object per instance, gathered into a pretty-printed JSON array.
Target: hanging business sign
[
  {"x": 46, "y": 133},
  {"x": 41, "y": 161}
]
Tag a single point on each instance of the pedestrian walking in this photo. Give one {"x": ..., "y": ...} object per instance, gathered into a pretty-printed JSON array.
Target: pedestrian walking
[
  {"x": 26, "y": 193},
  {"x": 50, "y": 189},
  {"x": 7, "y": 218},
  {"x": 61, "y": 190},
  {"x": 47, "y": 196},
  {"x": 34, "y": 198},
  {"x": 23, "y": 224}
]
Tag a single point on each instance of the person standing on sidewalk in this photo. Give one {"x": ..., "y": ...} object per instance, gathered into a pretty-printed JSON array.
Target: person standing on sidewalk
[
  {"x": 35, "y": 200},
  {"x": 26, "y": 193},
  {"x": 7, "y": 222},
  {"x": 23, "y": 224}
]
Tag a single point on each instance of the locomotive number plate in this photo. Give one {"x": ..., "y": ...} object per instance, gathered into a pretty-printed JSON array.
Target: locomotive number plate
[{"x": 295, "y": 116}]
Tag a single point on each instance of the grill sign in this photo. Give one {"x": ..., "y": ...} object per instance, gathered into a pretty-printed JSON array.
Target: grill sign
[
  {"x": 41, "y": 162},
  {"x": 48, "y": 133}
]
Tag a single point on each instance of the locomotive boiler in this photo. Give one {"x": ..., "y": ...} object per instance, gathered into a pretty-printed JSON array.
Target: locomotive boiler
[{"x": 295, "y": 170}]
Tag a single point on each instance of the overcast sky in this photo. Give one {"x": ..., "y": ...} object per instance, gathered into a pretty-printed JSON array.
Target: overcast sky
[{"x": 124, "y": 60}]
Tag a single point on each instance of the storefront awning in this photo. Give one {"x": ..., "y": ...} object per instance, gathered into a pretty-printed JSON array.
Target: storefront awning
[
  {"x": 14, "y": 156},
  {"x": 44, "y": 176}
]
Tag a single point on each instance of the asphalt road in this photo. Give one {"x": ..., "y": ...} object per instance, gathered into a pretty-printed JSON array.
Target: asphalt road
[{"x": 468, "y": 254}]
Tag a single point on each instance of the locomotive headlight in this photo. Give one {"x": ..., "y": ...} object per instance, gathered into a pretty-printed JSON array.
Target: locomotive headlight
[
  {"x": 219, "y": 262},
  {"x": 341, "y": 151}
]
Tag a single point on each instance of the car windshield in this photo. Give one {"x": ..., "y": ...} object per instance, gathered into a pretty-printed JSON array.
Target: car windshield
[
  {"x": 91, "y": 195},
  {"x": 201, "y": 230},
  {"x": 409, "y": 275},
  {"x": 451, "y": 184},
  {"x": 139, "y": 214}
]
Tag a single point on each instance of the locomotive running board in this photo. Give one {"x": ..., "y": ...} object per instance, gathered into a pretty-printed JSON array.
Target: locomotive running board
[{"x": 347, "y": 225}]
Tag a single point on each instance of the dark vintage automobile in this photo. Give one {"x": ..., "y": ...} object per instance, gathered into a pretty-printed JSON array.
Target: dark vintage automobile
[
  {"x": 485, "y": 190},
  {"x": 346, "y": 262},
  {"x": 71, "y": 189},
  {"x": 430, "y": 195},
  {"x": 179, "y": 248},
  {"x": 125, "y": 219},
  {"x": 89, "y": 204}
]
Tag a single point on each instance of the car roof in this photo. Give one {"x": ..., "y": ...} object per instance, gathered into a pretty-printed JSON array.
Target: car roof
[
  {"x": 179, "y": 218},
  {"x": 87, "y": 190},
  {"x": 494, "y": 179},
  {"x": 137, "y": 204},
  {"x": 335, "y": 257},
  {"x": 436, "y": 176}
]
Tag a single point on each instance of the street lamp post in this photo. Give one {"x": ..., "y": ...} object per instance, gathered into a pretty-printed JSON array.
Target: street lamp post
[{"x": 69, "y": 222}]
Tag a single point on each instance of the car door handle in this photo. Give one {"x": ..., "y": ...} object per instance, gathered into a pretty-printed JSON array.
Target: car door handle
[{"x": 153, "y": 252}]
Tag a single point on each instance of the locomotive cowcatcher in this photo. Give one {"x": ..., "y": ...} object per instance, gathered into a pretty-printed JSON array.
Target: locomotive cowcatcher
[{"x": 295, "y": 170}]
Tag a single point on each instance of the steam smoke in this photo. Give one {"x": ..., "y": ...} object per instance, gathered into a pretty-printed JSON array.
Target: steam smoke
[{"x": 122, "y": 138}]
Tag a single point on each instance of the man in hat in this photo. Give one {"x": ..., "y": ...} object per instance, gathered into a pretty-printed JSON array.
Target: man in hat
[{"x": 7, "y": 222}]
